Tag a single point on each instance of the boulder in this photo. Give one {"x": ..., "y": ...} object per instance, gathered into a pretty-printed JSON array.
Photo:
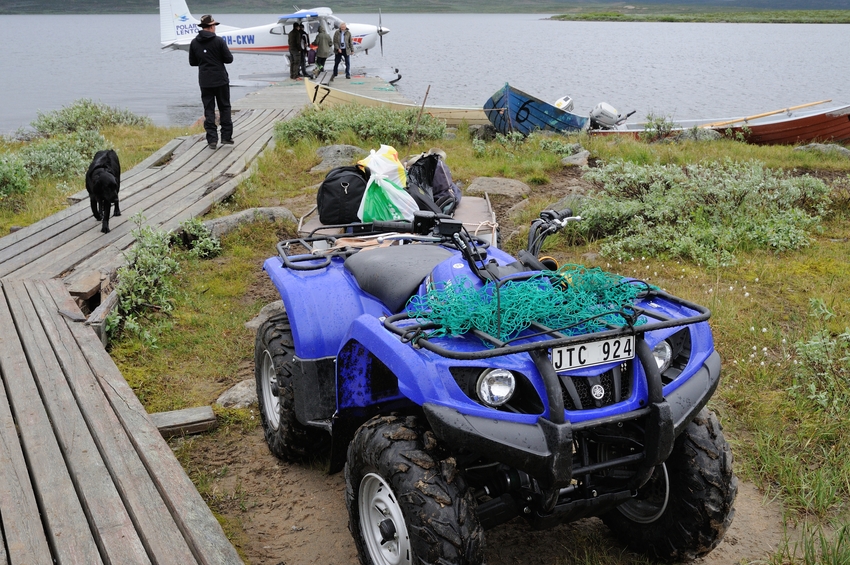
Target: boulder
[
  {"x": 577, "y": 160},
  {"x": 495, "y": 185},
  {"x": 825, "y": 148},
  {"x": 334, "y": 156},
  {"x": 484, "y": 132},
  {"x": 240, "y": 395},
  {"x": 220, "y": 226}
]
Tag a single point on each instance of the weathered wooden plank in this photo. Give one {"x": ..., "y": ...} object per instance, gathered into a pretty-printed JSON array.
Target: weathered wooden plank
[
  {"x": 97, "y": 319},
  {"x": 184, "y": 422},
  {"x": 19, "y": 515},
  {"x": 62, "y": 514},
  {"x": 169, "y": 202},
  {"x": 199, "y": 526},
  {"x": 108, "y": 519},
  {"x": 87, "y": 242},
  {"x": 237, "y": 161},
  {"x": 260, "y": 143},
  {"x": 58, "y": 229},
  {"x": 65, "y": 228},
  {"x": 57, "y": 223},
  {"x": 127, "y": 177},
  {"x": 156, "y": 528},
  {"x": 106, "y": 261}
]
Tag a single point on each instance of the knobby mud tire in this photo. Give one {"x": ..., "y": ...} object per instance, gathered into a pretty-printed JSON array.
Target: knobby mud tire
[
  {"x": 289, "y": 440},
  {"x": 702, "y": 489},
  {"x": 437, "y": 507}
]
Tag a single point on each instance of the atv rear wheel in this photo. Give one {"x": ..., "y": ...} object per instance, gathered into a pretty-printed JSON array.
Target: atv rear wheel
[
  {"x": 274, "y": 367},
  {"x": 684, "y": 510},
  {"x": 406, "y": 504}
]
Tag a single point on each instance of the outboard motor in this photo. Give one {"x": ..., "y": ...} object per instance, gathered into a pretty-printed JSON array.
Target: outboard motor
[
  {"x": 605, "y": 116},
  {"x": 564, "y": 103}
]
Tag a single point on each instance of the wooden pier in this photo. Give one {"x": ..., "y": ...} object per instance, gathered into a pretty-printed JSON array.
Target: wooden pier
[
  {"x": 85, "y": 476},
  {"x": 182, "y": 180}
]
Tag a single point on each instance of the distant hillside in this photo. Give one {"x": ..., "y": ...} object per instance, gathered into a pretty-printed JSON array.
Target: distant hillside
[{"x": 389, "y": 6}]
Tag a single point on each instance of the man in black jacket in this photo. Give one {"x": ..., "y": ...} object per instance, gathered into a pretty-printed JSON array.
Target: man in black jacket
[
  {"x": 294, "y": 38},
  {"x": 209, "y": 53}
]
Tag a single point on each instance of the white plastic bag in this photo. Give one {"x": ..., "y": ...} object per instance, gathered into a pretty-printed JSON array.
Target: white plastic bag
[
  {"x": 385, "y": 201},
  {"x": 385, "y": 162}
]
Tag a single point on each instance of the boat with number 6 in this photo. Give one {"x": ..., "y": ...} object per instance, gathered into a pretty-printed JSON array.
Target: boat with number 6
[{"x": 512, "y": 110}]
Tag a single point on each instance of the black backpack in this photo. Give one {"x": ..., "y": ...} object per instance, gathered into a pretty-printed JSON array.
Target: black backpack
[
  {"x": 430, "y": 183},
  {"x": 340, "y": 194}
]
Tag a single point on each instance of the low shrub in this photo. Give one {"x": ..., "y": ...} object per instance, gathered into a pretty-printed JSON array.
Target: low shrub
[
  {"x": 63, "y": 155},
  {"x": 656, "y": 128},
  {"x": 13, "y": 176},
  {"x": 85, "y": 115},
  {"x": 703, "y": 212},
  {"x": 198, "y": 239},
  {"x": 146, "y": 283},
  {"x": 382, "y": 125}
]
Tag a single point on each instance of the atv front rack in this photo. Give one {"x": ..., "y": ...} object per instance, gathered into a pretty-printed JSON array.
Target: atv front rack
[
  {"x": 541, "y": 337},
  {"x": 558, "y": 471}
]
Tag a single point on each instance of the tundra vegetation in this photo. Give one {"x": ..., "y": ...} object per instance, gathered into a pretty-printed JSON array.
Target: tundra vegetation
[{"x": 758, "y": 234}]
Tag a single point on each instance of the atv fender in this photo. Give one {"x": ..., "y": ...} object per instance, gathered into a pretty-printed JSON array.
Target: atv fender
[
  {"x": 366, "y": 336},
  {"x": 321, "y": 305}
]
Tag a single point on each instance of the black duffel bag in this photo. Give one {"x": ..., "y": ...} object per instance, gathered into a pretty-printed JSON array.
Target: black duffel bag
[{"x": 340, "y": 194}]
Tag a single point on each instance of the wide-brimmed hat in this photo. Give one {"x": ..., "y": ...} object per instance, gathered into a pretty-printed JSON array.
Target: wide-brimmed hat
[{"x": 208, "y": 21}]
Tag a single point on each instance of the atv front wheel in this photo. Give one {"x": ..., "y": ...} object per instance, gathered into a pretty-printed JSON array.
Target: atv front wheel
[
  {"x": 274, "y": 367},
  {"x": 685, "y": 508},
  {"x": 406, "y": 504}
]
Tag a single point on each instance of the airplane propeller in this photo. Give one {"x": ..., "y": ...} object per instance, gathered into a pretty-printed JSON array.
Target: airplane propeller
[{"x": 380, "y": 32}]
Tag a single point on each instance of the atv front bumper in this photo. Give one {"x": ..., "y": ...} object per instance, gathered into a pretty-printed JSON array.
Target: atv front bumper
[{"x": 545, "y": 450}]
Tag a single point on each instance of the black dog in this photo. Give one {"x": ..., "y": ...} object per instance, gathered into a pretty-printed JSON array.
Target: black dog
[{"x": 103, "y": 180}]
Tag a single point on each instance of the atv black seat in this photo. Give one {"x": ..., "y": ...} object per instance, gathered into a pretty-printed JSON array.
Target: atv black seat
[{"x": 392, "y": 274}]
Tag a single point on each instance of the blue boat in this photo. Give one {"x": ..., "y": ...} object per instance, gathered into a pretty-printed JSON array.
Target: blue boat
[{"x": 510, "y": 110}]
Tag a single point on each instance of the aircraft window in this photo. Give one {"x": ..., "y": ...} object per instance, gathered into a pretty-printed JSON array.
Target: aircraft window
[
  {"x": 335, "y": 20},
  {"x": 277, "y": 30}
]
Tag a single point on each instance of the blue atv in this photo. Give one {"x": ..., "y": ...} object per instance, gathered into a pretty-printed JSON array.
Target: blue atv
[{"x": 448, "y": 428}]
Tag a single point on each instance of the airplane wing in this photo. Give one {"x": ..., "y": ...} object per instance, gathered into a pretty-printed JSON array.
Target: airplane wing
[{"x": 298, "y": 17}]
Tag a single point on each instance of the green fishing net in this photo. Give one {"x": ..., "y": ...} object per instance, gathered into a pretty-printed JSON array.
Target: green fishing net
[{"x": 573, "y": 299}]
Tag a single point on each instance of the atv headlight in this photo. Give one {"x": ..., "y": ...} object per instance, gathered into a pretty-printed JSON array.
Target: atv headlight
[
  {"x": 663, "y": 354},
  {"x": 495, "y": 387}
]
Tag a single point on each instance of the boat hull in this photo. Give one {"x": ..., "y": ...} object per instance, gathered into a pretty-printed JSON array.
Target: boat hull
[
  {"x": 786, "y": 128},
  {"x": 324, "y": 96},
  {"x": 512, "y": 110}
]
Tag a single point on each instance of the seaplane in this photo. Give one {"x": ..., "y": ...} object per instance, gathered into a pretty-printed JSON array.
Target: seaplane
[{"x": 178, "y": 28}]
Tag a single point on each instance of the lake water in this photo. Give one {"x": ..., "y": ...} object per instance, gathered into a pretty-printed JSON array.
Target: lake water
[{"x": 670, "y": 69}]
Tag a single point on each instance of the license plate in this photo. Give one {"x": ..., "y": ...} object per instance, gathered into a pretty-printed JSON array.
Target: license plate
[{"x": 593, "y": 353}]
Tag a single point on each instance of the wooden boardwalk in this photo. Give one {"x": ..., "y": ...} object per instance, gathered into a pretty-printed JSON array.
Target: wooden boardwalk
[
  {"x": 85, "y": 477},
  {"x": 182, "y": 180}
]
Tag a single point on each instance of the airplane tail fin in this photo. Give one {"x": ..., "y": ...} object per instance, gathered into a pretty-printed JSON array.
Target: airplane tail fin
[{"x": 177, "y": 26}]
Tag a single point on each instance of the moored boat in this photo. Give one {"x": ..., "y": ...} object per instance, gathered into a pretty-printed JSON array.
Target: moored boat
[
  {"x": 806, "y": 123},
  {"x": 323, "y": 95},
  {"x": 512, "y": 110}
]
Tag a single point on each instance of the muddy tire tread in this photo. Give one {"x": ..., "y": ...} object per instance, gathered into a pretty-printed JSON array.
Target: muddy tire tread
[{"x": 439, "y": 508}]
